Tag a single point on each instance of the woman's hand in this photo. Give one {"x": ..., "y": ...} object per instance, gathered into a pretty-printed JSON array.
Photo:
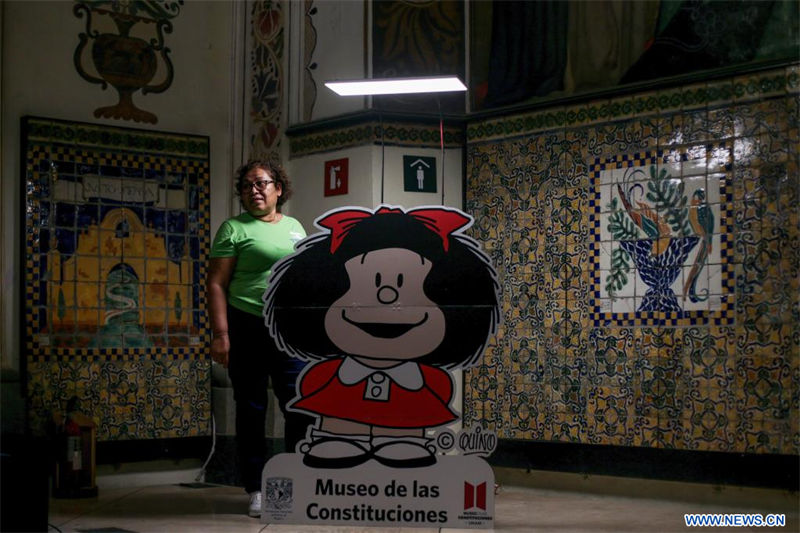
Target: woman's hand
[
  {"x": 220, "y": 346},
  {"x": 220, "y": 271}
]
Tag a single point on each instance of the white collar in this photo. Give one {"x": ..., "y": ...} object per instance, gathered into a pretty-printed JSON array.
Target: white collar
[{"x": 407, "y": 375}]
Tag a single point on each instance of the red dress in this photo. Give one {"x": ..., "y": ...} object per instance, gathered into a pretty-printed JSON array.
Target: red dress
[{"x": 323, "y": 393}]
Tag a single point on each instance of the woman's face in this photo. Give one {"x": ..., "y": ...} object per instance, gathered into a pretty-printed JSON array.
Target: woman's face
[
  {"x": 259, "y": 202},
  {"x": 385, "y": 313}
]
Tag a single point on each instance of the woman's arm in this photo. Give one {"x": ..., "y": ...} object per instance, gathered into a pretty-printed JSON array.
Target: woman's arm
[{"x": 220, "y": 270}]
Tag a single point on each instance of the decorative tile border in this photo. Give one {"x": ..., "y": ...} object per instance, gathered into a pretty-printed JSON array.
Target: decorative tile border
[
  {"x": 370, "y": 133},
  {"x": 694, "y": 96},
  {"x": 157, "y": 145}
]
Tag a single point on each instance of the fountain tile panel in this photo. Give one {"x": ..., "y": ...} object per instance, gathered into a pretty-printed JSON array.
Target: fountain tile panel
[{"x": 116, "y": 238}]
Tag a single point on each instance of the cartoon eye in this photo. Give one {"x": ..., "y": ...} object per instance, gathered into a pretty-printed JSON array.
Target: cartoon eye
[
  {"x": 399, "y": 280},
  {"x": 378, "y": 279}
]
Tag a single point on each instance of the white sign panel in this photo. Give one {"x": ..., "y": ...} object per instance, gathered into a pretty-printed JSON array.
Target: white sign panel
[
  {"x": 456, "y": 492},
  {"x": 383, "y": 304},
  {"x": 120, "y": 190}
]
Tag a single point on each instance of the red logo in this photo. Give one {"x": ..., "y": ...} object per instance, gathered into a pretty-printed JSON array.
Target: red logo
[{"x": 474, "y": 496}]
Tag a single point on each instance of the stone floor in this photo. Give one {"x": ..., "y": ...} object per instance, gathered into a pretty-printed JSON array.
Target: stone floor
[{"x": 218, "y": 508}]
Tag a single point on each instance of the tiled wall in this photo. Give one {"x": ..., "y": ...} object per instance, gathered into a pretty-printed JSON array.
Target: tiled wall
[{"x": 669, "y": 322}]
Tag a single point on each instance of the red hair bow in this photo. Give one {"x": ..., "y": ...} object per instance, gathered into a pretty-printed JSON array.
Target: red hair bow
[{"x": 441, "y": 221}]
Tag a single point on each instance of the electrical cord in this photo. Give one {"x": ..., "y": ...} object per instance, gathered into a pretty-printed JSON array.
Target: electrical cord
[
  {"x": 441, "y": 140},
  {"x": 383, "y": 155},
  {"x": 201, "y": 477}
]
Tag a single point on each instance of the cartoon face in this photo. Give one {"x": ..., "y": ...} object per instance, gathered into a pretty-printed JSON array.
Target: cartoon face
[{"x": 385, "y": 313}]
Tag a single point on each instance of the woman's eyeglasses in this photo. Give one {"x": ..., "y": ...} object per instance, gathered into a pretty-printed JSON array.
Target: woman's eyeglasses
[{"x": 260, "y": 185}]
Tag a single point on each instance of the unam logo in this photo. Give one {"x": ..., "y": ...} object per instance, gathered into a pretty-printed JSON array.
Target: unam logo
[
  {"x": 474, "y": 496},
  {"x": 278, "y": 493}
]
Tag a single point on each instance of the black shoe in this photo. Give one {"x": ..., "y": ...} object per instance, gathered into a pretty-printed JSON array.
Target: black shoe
[
  {"x": 332, "y": 452},
  {"x": 403, "y": 454}
]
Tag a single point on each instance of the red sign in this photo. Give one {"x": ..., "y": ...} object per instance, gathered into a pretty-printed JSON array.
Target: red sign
[{"x": 336, "y": 177}]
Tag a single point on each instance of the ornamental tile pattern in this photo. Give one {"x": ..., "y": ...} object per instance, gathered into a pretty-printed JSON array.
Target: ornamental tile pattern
[
  {"x": 267, "y": 78},
  {"x": 583, "y": 354}
]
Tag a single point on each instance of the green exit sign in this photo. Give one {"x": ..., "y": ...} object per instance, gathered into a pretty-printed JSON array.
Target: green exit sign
[{"x": 419, "y": 173}]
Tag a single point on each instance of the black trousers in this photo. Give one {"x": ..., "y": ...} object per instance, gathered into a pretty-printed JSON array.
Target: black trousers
[{"x": 253, "y": 361}]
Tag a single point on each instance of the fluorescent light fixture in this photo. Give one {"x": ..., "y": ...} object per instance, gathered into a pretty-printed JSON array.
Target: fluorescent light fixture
[{"x": 435, "y": 84}]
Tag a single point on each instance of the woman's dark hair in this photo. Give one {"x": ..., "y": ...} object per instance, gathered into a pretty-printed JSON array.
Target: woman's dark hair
[
  {"x": 461, "y": 282},
  {"x": 275, "y": 172}
]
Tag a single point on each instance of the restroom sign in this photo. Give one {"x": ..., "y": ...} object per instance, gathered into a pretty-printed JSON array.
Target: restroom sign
[
  {"x": 336, "y": 177},
  {"x": 419, "y": 173}
]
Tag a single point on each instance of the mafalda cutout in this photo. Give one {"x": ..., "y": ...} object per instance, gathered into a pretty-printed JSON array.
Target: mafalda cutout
[{"x": 384, "y": 303}]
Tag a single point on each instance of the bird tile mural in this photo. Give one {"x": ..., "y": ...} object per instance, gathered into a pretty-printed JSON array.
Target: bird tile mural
[{"x": 661, "y": 223}]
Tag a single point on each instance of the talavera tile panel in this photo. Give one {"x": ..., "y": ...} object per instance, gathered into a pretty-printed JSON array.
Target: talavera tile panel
[
  {"x": 116, "y": 237},
  {"x": 648, "y": 250}
]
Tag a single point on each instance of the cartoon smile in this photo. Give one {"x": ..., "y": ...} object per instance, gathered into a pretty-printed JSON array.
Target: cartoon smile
[{"x": 384, "y": 330}]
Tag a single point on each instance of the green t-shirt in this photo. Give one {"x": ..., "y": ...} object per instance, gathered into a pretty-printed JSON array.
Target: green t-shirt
[{"x": 256, "y": 245}]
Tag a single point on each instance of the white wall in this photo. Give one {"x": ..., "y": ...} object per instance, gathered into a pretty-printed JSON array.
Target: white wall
[
  {"x": 392, "y": 162},
  {"x": 38, "y": 78},
  {"x": 308, "y": 177},
  {"x": 340, "y": 54},
  {"x": 366, "y": 163}
]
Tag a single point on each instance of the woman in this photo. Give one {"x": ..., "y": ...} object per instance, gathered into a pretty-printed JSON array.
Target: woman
[{"x": 244, "y": 250}]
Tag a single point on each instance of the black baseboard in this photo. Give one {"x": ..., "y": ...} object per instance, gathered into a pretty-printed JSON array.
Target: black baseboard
[
  {"x": 24, "y": 483},
  {"x": 222, "y": 468},
  {"x": 717, "y": 468},
  {"x": 130, "y": 451}
]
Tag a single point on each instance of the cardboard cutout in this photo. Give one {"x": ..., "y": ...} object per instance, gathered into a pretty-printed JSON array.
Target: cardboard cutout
[{"x": 384, "y": 304}]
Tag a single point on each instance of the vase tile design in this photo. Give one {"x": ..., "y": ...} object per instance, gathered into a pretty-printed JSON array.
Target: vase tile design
[
  {"x": 126, "y": 62},
  {"x": 575, "y": 362},
  {"x": 116, "y": 237}
]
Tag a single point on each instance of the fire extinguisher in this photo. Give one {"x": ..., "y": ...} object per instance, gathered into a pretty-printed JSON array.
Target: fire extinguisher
[
  {"x": 74, "y": 448},
  {"x": 74, "y": 470}
]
